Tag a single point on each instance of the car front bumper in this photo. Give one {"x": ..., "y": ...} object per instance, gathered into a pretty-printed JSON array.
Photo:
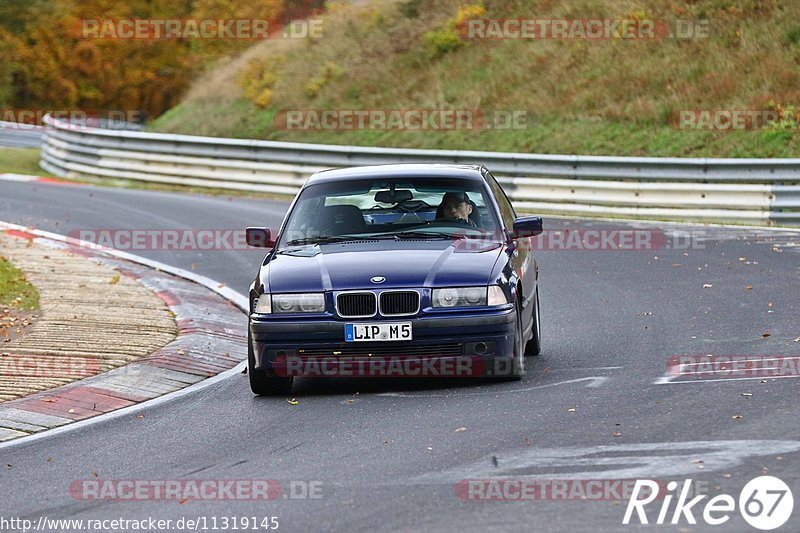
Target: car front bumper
[{"x": 446, "y": 345}]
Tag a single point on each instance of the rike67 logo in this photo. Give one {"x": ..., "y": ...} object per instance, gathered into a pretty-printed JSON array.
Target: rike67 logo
[{"x": 765, "y": 503}]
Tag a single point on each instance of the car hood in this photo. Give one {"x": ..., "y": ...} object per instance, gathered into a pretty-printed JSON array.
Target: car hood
[{"x": 346, "y": 266}]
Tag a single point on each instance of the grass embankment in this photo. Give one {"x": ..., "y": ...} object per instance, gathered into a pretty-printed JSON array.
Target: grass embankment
[
  {"x": 21, "y": 161},
  {"x": 609, "y": 97},
  {"x": 15, "y": 291}
]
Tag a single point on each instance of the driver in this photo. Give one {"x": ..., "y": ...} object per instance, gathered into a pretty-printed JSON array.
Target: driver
[{"x": 457, "y": 207}]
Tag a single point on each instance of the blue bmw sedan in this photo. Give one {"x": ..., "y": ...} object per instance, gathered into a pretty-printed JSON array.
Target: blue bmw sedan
[{"x": 406, "y": 270}]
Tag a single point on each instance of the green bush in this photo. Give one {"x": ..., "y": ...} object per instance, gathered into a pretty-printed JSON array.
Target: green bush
[
  {"x": 793, "y": 35},
  {"x": 441, "y": 42}
]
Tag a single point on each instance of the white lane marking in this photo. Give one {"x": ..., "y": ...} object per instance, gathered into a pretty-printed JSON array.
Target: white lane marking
[
  {"x": 668, "y": 380},
  {"x": 568, "y": 369},
  {"x": 234, "y": 297},
  {"x": 595, "y": 381},
  {"x": 618, "y": 461}
]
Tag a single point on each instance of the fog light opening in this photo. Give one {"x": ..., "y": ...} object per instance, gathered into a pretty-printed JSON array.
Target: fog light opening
[{"x": 480, "y": 348}]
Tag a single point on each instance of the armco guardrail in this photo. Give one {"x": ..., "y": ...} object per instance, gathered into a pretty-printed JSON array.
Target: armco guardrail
[{"x": 743, "y": 191}]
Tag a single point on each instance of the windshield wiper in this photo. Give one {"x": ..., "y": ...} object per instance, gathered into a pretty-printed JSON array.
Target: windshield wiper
[
  {"x": 321, "y": 240},
  {"x": 428, "y": 234}
]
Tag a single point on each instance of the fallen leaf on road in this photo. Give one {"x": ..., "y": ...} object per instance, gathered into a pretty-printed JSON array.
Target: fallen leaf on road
[
  {"x": 616, "y": 434},
  {"x": 71, "y": 411},
  {"x": 292, "y": 401},
  {"x": 94, "y": 473},
  {"x": 747, "y": 394},
  {"x": 244, "y": 371},
  {"x": 765, "y": 335},
  {"x": 749, "y": 288},
  {"x": 797, "y": 339},
  {"x": 707, "y": 285},
  {"x": 459, "y": 430},
  {"x": 114, "y": 279},
  {"x": 571, "y": 410},
  {"x": 183, "y": 501},
  {"x": 140, "y": 416},
  {"x": 737, "y": 417}
]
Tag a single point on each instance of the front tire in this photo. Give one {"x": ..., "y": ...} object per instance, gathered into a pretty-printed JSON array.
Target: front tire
[
  {"x": 261, "y": 383},
  {"x": 518, "y": 358}
]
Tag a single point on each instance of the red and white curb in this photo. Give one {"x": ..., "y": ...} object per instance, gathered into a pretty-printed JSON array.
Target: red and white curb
[
  {"x": 38, "y": 179},
  {"x": 211, "y": 345}
]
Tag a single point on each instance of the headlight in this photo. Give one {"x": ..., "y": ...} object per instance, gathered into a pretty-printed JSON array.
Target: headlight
[
  {"x": 298, "y": 303},
  {"x": 459, "y": 297}
]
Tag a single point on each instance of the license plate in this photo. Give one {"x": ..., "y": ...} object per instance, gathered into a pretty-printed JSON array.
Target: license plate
[{"x": 398, "y": 331}]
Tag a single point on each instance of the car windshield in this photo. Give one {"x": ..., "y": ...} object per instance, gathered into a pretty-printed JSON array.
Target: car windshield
[{"x": 419, "y": 208}]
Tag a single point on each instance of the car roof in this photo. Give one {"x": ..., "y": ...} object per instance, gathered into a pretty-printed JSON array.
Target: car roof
[{"x": 406, "y": 170}]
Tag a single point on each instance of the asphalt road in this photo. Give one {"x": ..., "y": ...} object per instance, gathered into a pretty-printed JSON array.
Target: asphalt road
[
  {"x": 12, "y": 135},
  {"x": 389, "y": 453}
]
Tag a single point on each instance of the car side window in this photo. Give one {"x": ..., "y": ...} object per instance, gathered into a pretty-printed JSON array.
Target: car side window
[{"x": 506, "y": 209}]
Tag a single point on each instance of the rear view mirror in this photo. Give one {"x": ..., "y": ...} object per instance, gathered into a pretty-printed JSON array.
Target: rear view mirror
[
  {"x": 259, "y": 238},
  {"x": 527, "y": 227},
  {"x": 386, "y": 197}
]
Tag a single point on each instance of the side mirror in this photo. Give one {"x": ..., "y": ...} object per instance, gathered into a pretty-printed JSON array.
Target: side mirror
[
  {"x": 259, "y": 238},
  {"x": 527, "y": 227}
]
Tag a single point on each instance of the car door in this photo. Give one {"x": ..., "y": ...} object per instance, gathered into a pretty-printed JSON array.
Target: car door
[{"x": 522, "y": 260}]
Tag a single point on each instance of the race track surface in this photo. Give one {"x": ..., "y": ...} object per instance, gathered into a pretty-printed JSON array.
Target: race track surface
[{"x": 598, "y": 403}]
